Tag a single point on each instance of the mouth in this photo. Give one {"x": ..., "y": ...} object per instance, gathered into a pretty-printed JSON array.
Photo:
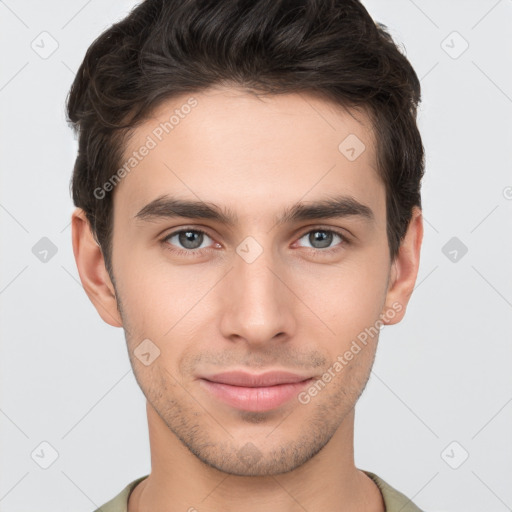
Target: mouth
[{"x": 256, "y": 393}]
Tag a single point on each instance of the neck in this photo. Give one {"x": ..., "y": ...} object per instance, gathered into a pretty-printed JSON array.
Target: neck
[{"x": 180, "y": 481}]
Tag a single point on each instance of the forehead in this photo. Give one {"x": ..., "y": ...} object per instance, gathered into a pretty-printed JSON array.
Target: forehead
[{"x": 229, "y": 146}]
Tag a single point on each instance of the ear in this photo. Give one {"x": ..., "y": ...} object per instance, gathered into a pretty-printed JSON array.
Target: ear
[
  {"x": 91, "y": 268},
  {"x": 404, "y": 271}
]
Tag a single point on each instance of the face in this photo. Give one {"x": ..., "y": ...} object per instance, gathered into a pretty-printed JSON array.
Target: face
[{"x": 253, "y": 279}]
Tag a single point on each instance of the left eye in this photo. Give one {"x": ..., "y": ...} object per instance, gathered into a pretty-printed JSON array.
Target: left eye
[{"x": 321, "y": 238}]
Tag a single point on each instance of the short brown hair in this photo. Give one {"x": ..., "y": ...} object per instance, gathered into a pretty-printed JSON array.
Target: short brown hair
[{"x": 165, "y": 48}]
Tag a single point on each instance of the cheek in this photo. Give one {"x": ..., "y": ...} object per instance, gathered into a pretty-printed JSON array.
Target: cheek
[
  {"x": 345, "y": 299},
  {"x": 167, "y": 306},
  {"x": 154, "y": 295}
]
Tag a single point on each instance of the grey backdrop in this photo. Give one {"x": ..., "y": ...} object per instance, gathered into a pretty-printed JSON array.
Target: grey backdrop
[{"x": 435, "y": 420}]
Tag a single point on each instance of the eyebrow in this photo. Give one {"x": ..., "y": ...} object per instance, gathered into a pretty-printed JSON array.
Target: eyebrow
[{"x": 166, "y": 207}]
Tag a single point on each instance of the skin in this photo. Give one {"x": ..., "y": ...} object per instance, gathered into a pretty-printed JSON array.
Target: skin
[{"x": 295, "y": 307}]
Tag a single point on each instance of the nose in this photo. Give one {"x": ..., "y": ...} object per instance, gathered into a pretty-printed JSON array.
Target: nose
[{"x": 257, "y": 305}]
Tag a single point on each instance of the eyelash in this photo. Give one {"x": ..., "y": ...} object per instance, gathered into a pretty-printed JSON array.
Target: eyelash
[{"x": 200, "y": 252}]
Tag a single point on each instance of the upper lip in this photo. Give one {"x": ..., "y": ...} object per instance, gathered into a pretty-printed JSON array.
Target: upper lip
[{"x": 250, "y": 380}]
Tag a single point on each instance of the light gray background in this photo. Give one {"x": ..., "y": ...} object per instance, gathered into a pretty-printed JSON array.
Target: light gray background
[{"x": 442, "y": 375}]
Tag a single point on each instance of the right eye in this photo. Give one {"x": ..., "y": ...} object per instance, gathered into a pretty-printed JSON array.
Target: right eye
[{"x": 187, "y": 240}]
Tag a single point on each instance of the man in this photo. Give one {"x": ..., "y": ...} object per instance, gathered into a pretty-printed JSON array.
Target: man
[{"x": 248, "y": 210}]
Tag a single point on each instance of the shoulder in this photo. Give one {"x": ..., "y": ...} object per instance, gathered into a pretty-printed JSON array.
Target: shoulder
[
  {"x": 120, "y": 502},
  {"x": 393, "y": 499}
]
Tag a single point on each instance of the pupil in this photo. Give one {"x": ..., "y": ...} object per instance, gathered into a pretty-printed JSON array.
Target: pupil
[
  {"x": 187, "y": 239},
  {"x": 324, "y": 239}
]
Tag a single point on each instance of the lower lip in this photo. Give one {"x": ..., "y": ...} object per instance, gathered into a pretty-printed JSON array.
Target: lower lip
[{"x": 255, "y": 399}]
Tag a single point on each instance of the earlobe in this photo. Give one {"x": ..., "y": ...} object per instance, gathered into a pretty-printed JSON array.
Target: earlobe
[
  {"x": 91, "y": 268},
  {"x": 404, "y": 271}
]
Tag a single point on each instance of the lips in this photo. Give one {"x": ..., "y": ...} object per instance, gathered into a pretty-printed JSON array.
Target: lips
[
  {"x": 256, "y": 393},
  {"x": 249, "y": 380}
]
